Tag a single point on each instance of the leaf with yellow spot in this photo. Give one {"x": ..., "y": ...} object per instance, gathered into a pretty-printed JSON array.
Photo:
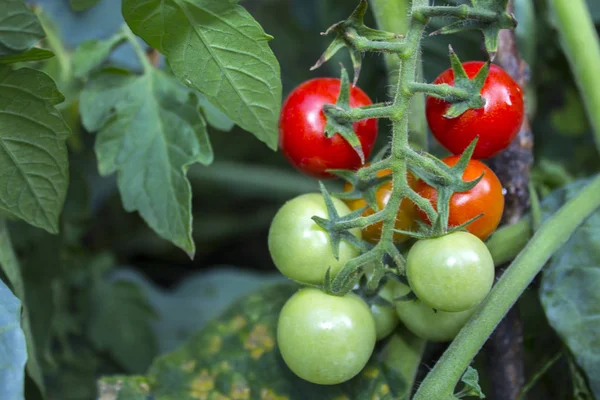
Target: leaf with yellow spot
[{"x": 248, "y": 365}]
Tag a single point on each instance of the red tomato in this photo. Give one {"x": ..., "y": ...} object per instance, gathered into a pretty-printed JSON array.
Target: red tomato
[
  {"x": 496, "y": 124},
  {"x": 485, "y": 198},
  {"x": 302, "y": 124}
]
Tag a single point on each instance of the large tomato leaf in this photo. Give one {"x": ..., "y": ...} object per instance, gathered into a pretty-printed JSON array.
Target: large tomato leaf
[
  {"x": 80, "y": 5},
  {"x": 236, "y": 356},
  {"x": 217, "y": 48},
  {"x": 569, "y": 291},
  {"x": 20, "y": 30},
  {"x": 33, "y": 155},
  {"x": 12, "y": 346},
  {"x": 151, "y": 130},
  {"x": 120, "y": 323}
]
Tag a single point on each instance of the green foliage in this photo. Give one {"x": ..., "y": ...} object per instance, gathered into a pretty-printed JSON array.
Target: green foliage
[
  {"x": 33, "y": 54},
  {"x": 236, "y": 355},
  {"x": 569, "y": 289},
  {"x": 120, "y": 324},
  {"x": 150, "y": 131},
  {"x": 91, "y": 53},
  {"x": 80, "y": 5},
  {"x": 220, "y": 50},
  {"x": 33, "y": 154},
  {"x": 21, "y": 29},
  {"x": 471, "y": 381},
  {"x": 12, "y": 346}
]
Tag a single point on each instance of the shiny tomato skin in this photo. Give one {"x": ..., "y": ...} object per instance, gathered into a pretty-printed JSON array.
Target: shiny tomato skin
[
  {"x": 452, "y": 273},
  {"x": 496, "y": 124},
  {"x": 405, "y": 219},
  {"x": 300, "y": 249},
  {"x": 302, "y": 129},
  {"x": 424, "y": 321},
  {"x": 325, "y": 339},
  {"x": 485, "y": 198}
]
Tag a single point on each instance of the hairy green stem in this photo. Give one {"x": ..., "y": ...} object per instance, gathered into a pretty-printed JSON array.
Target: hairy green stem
[
  {"x": 443, "y": 91},
  {"x": 580, "y": 42},
  {"x": 440, "y": 381},
  {"x": 381, "y": 110},
  {"x": 462, "y": 11},
  {"x": 361, "y": 43}
]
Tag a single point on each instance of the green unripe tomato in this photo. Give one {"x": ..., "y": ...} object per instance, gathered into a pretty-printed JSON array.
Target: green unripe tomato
[
  {"x": 450, "y": 273},
  {"x": 301, "y": 249},
  {"x": 325, "y": 339},
  {"x": 426, "y": 323},
  {"x": 386, "y": 319}
]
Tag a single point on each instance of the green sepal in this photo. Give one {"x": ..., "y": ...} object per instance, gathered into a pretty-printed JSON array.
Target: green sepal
[
  {"x": 361, "y": 188},
  {"x": 354, "y": 22},
  {"x": 471, "y": 380},
  {"x": 472, "y": 86},
  {"x": 410, "y": 296},
  {"x": 344, "y": 128},
  {"x": 489, "y": 28}
]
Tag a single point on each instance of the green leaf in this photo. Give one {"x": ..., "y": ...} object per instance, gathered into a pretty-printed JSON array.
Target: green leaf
[
  {"x": 569, "y": 289},
  {"x": 471, "y": 380},
  {"x": 34, "y": 54},
  {"x": 214, "y": 116},
  {"x": 12, "y": 346},
  {"x": 217, "y": 48},
  {"x": 236, "y": 356},
  {"x": 150, "y": 131},
  {"x": 33, "y": 154},
  {"x": 12, "y": 269},
  {"x": 20, "y": 30},
  {"x": 91, "y": 53},
  {"x": 204, "y": 295},
  {"x": 80, "y": 5},
  {"x": 120, "y": 323}
]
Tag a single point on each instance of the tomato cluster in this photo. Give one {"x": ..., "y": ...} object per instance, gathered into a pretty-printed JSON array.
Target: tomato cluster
[{"x": 328, "y": 339}]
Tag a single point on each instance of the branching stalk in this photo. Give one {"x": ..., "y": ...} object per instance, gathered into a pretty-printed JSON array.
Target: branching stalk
[{"x": 440, "y": 382}]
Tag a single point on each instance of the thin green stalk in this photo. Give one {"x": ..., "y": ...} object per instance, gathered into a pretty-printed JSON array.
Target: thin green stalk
[
  {"x": 440, "y": 382},
  {"x": 462, "y": 12},
  {"x": 581, "y": 45},
  {"x": 507, "y": 242},
  {"x": 137, "y": 48},
  {"x": 534, "y": 380},
  {"x": 442, "y": 90}
]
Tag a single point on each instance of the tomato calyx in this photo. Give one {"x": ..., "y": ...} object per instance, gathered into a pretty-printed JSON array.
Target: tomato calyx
[
  {"x": 336, "y": 124},
  {"x": 346, "y": 33},
  {"x": 472, "y": 87}
]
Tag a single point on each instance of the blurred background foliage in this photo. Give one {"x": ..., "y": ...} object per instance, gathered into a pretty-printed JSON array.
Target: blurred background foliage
[{"x": 154, "y": 296}]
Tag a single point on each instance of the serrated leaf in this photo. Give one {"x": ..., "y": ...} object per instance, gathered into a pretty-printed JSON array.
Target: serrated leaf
[
  {"x": 217, "y": 48},
  {"x": 91, "y": 53},
  {"x": 20, "y": 30},
  {"x": 80, "y": 5},
  {"x": 150, "y": 131},
  {"x": 33, "y": 156},
  {"x": 236, "y": 356},
  {"x": 569, "y": 290},
  {"x": 12, "y": 346},
  {"x": 120, "y": 318},
  {"x": 34, "y": 54}
]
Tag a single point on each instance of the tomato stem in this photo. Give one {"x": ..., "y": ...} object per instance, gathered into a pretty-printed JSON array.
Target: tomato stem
[
  {"x": 462, "y": 12},
  {"x": 581, "y": 44},
  {"x": 442, "y": 379},
  {"x": 137, "y": 48}
]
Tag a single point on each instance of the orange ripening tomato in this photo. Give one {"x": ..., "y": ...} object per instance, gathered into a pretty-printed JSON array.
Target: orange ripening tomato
[
  {"x": 485, "y": 198},
  {"x": 407, "y": 214}
]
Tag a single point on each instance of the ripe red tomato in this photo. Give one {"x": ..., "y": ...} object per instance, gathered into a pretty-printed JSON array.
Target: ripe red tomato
[
  {"x": 485, "y": 198},
  {"x": 405, "y": 219},
  {"x": 302, "y": 124},
  {"x": 496, "y": 124}
]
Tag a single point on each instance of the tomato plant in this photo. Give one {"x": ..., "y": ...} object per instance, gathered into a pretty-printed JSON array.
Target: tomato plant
[
  {"x": 299, "y": 248},
  {"x": 424, "y": 321},
  {"x": 451, "y": 273},
  {"x": 325, "y": 339},
  {"x": 495, "y": 124},
  {"x": 486, "y": 198},
  {"x": 302, "y": 136},
  {"x": 405, "y": 219}
]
